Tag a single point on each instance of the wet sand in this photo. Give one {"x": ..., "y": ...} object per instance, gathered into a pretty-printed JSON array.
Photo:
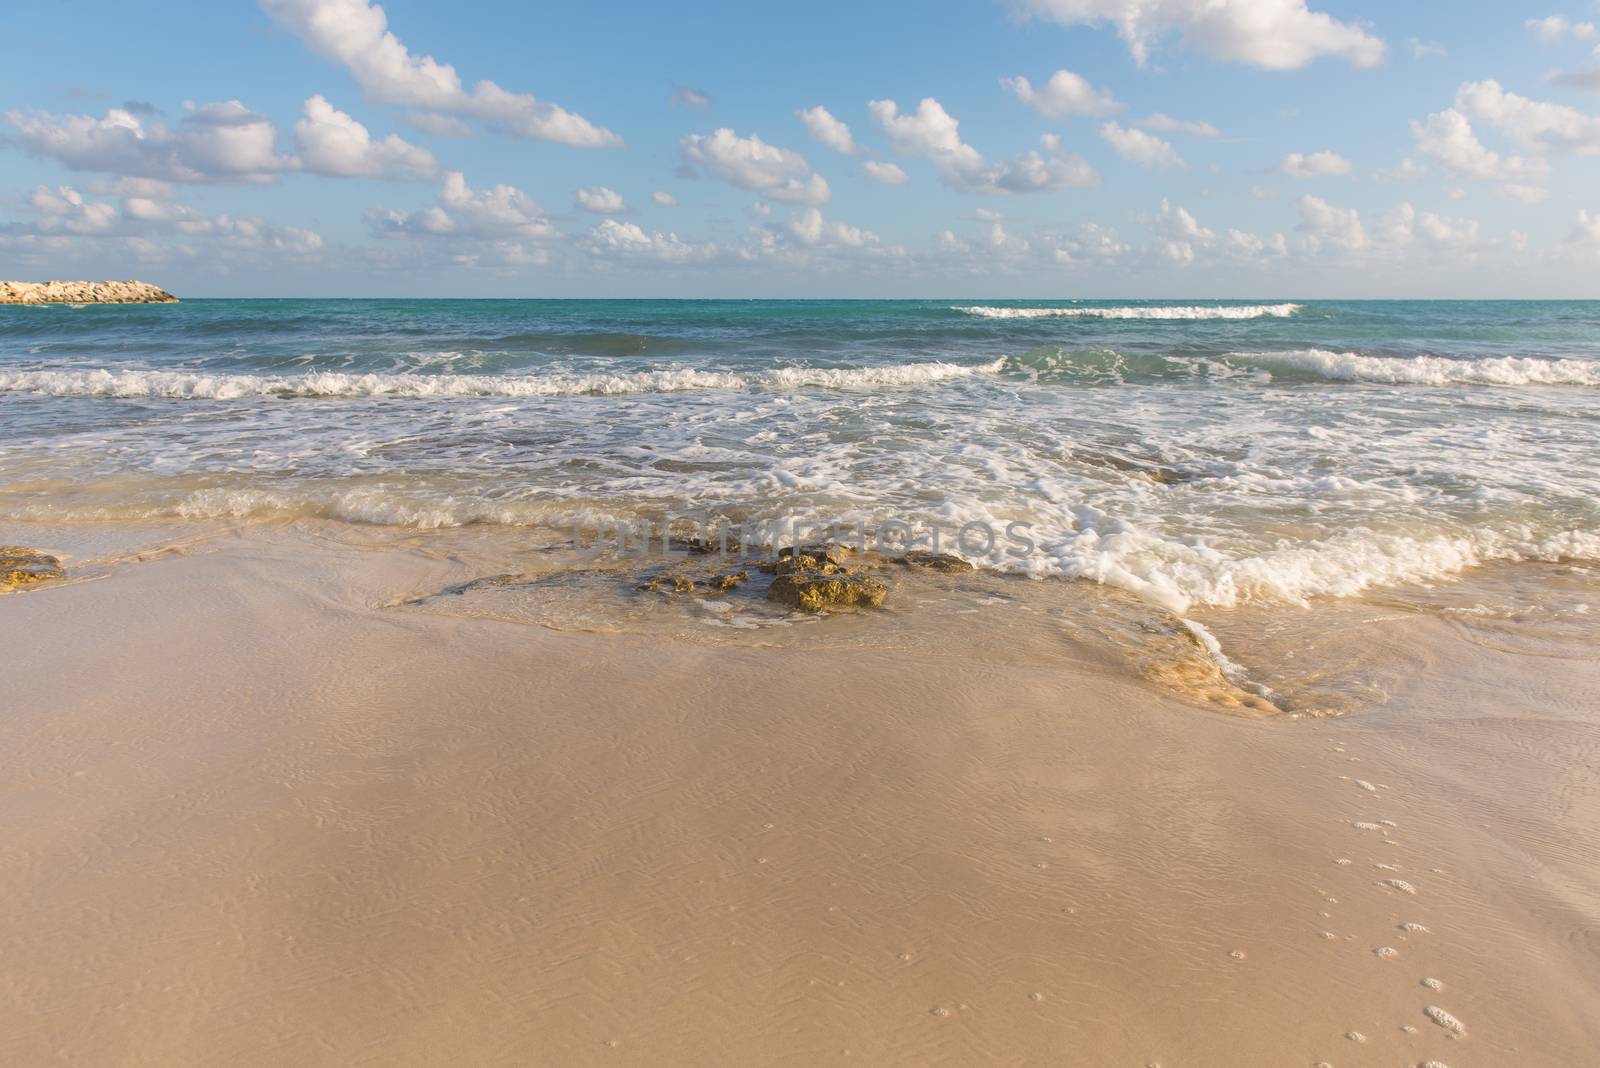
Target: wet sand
[{"x": 259, "y": 810}]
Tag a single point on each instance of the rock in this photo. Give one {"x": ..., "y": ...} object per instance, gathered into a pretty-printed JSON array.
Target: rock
[
  {"x": 24, "y": 567},
  {"x": 944, "y": 562},
  {"x": 680, "y": 583},
  {"x": 724, "y": 583},
  {"x": 825, "y": 592},
  {"x": 58, "y": 292}
]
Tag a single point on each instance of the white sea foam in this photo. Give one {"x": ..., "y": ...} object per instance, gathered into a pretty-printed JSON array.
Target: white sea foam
[
  {"x": 1189, "y": 311},
  {"x": 1429, "y": 370},
  {"x": 185, "y": 385}
]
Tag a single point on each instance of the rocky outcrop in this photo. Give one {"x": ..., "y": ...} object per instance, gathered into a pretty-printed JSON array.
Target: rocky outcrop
[
  {"x": 816, "y": 592},
  {"x": 817, "y": 578},
  {"x": 24, "y": 567},
  {"x": 128, "y": 292}
]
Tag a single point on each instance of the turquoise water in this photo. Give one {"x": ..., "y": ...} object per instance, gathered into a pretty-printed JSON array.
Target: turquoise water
[{"x": 1194, "y": 452}]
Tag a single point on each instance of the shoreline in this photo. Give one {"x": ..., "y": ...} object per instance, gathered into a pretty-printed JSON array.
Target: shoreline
[{"x": 266, "y": 783}]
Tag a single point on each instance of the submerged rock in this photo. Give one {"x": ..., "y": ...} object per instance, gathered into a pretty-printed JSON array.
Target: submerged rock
[
  {"x": 944, "y": 562},
  {"x": 58, "y": 292},
  {"x": 825, "y": 592},
  {"x": 712, "y": 583},
  {"x": 24, "y": 567}
]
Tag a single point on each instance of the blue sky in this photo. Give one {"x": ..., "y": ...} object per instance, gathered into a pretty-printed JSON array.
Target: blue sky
[{"x": 1159, "y": 148}]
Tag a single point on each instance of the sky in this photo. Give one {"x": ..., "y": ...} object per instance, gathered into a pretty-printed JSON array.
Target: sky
[{"x": 983, "y": 148}]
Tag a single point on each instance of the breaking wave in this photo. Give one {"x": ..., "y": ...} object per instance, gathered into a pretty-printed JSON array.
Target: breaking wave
[
  {"x": 185, "y": 385},
  {"x": 1191, "y": 311},
  {"x": 1427, "y": 370}
]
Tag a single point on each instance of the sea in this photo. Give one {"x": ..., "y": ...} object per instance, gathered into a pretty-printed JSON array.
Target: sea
[{"x": 1199, "y": 456}]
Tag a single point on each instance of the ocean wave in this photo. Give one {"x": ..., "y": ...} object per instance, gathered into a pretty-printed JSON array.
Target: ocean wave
[
  {"x": 185, "y": 385},
  {"x": 1428, "y": 370},
  {"x": 1191, "y": 311}
]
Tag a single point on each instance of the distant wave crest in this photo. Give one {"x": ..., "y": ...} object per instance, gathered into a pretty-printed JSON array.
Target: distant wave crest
[
  {"x": 1190, "y": 311},
  {"x": 185, "y": 385},
  {"x": 1428, "y": 370}
]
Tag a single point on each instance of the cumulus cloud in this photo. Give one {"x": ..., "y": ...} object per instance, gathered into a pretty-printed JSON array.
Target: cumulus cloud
[
  {"x": 1066, "y": 93},
  {"x": 1147, "y": 150},
  {"x": 1274, "y": 34},
  {"x": 1326, "y": 226},
  {"x": 1163, "y": 123},
  {"x": 1533, "y": 125},
  {"x": 887, "y": 173},
  {"x": 1421, "y": 49},
  {"x": 1525, "y": 194},
  {"x": 331, "y": 142},
  {"x": 219, "y": 142},
  {"x": 827, "y": 130},
  {"x": 810, "y": 228},
  {"x": 501, "y": 212},
  {"x": 1555, "y": 29},
  {"x": 355, "y": 34},
  {"x": 147, "y": 221},
  {"x": 664, "y": 200},
  {"x": 1447, "y": 138},
  {"x": 1315, "y": 165},
  {"x": 933, "y": 133},
  {"x": 600, "y": 200},
  {"x": 779, "y": 174},
  {"x": 1586, "y": 230},
  {"x": 629, "y": 241}
]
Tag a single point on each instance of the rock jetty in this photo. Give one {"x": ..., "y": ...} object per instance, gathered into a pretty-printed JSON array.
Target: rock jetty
[{"x": 128, "y": 292}]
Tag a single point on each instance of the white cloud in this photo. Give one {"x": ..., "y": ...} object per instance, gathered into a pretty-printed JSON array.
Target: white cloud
[
  {"x": 1525, "y": 194},
  {"x": 1586, "y": 79},
  {"x": 1421, "y": 50},
  {"x": 1163, "y": 123},
  {"x": 1586, "y": 230},
  {"x": 686, "y": 96},
  {"x": 810, "y": 228},
  {"x": 664, "y": 200},
  {"x": 779, "y": 174},
  {"x": 1407, "y": 170},
  {"x": 1533, "y": 125},
  {"x": 219, "y": 142},
  {"x": 355, "y": 34},
  {"x": 1315, "y": 165},
  {"x": 1326, "y": 226},
  {"x": 827, "y": 130},
  {"x": 600, "y": 200},
  {"x": 331, "y": 142},
  {"x": 1554, "y": 29},
  {"x": 935, "y": 134},
  {"x": 1064, "y": 94},
  {"x": 630, "y": 241},
  {"x": 1447, "y": 139},
  {"x": 223, "y": 142},
  {"x": 887, "y": 173},
  {"x": 501, "y": 212},
  {"x": 144, "y": 221},
  {"x": 1275, "y": 34},
  {"x": 1147, "y": 150}
]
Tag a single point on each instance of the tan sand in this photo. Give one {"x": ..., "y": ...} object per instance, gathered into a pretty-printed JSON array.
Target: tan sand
[{"x": 252, "y": 816}]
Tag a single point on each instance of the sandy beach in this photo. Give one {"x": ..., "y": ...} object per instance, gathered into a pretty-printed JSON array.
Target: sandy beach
[{"x": 267, "y": 802}]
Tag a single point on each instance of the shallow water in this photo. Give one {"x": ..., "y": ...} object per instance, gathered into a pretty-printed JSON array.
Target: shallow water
[{"x": 1203, "y": 457}]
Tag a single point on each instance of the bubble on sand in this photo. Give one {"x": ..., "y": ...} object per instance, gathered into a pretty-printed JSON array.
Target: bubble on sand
[
  {"x": 1355, "y": 1036},
  {"x": 1341, "y": 861},
  {"x": 1366, "y": 825},
  {"x": 1433, "y": 1064},
  {"x": 1387, "y": 867},
  {"x": 1367, "y": 786},
  {"x": 1389, "y": 823},
  {"x": 1237, "y": 954},
  {"x": 1414, "y": 928},
  {"x": 1400, "y": 885},
  {"x": 939, "y": 1010},
  {"x": 1432, "y": 984},
  {"x": 1386, "y": 952},
  {"x": 1329, "y": 935},
  {"x": 1444, "y": 1020},
  {"x": 1408, "y": 1029},
  {"x": 1036, "y": 996}
]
